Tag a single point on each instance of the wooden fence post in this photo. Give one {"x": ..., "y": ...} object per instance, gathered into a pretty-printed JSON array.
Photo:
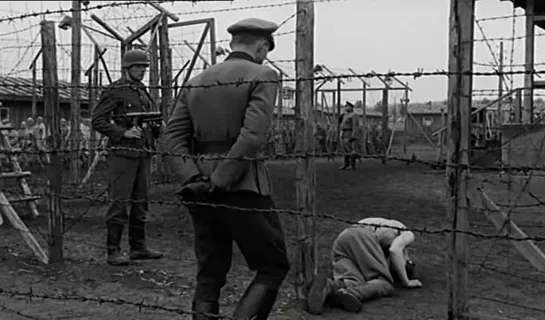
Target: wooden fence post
[
  {"x": 306, "y": 166},
  {"x": 75, "y": 107},
  {"x": 52, "y": 112},
  {"x": 459, "y": 107}
]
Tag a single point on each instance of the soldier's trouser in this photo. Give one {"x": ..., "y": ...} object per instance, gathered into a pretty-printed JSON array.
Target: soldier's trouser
[
  {"x": 360, "y": 264},
  {"x": 259, "y": 236},
  {"x": 129, "y": 183}
]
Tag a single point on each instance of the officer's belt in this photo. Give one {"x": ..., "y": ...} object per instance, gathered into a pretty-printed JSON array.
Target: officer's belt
[
  {"x": 212, "y": 147},
  {"x": 346, "y": 129}
]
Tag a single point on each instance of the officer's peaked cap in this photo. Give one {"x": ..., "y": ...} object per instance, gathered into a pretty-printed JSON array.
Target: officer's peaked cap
[
  {"x": 349, "y": 104},
  {"x": 255, "y": 26},
  {"x": 135, "y": 57}
]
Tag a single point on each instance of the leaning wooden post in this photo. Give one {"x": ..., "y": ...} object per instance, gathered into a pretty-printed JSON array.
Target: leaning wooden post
[
  {"x": 305, "y": 172},
  {"x": 96, "y": 73},
  {"x": 385, "y": 137},
  {"x": 75, "y": 135},
  {"x": 52, "y": 112},
  {"x": 459, "y": 96}
]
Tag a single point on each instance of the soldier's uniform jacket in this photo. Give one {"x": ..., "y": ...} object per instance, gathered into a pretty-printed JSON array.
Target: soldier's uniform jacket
[
  {"x": 118, "y": 99},
  {"x": 233, "y": 120},
  {"x": 349, "y": 126}
]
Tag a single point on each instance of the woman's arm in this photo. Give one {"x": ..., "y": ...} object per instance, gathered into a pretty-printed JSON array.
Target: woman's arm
[{"x": 397, "y": 256}]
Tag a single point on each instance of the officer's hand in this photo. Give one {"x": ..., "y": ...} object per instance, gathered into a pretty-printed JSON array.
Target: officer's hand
[
  {"x": 414, "y": 284},
  {"x": 196, "y": 190},
  {"x": 133, "y": 133}
]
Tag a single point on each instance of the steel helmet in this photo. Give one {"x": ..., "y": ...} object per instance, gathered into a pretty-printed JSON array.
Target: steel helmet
[{"x": 135, "y": 57}]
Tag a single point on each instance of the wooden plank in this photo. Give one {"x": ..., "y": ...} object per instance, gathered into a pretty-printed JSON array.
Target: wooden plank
[
  {"x": 506, "y": 226},
  {"x": 52, "y": 109},
  {"x": 461, "y": 36},
  {"x": 23, "y": 199},
  {"x": 106, "y": 27},
  {"x": 17, "y": 169},
  {"x": 18, "y": 224},
  {"x": 203, "y": 59},
  {"x": 307, "y": 255},
  {"x": 13, "y": 175},
  {"x": 145, "y": 28},
  {"x": 194, "y": 58},
  {"x": 190, "y": 23}
]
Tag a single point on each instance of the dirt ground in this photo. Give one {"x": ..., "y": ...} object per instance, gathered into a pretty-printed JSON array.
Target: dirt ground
[{"x": 85, "y": 287}]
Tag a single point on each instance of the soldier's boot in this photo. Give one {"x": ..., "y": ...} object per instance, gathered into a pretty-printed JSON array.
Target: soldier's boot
[
  {"x": 320, "y": 289},
  {"x": 137, "y": 242},
  {"x": 113, "y": 241},
  {"x": 256, "y": 303},
  {"x": 346, "y": 163},
  {"x": 204, "y": 309},
  {"x": 353, "y": 162},
  {"x": 345, "y": 300}
]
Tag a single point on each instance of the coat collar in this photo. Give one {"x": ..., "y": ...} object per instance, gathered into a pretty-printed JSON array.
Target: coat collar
[{"x": 240, "y": 55}]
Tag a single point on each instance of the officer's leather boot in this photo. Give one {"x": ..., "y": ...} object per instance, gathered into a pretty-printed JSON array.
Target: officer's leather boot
[
  {"x": 137, "y": 242},
  {"x": 321, "y": 288},
  {"x": 208, "y": 307},
  {"x": 113, "y": 240},
  {"x": 256, "y": 303}
]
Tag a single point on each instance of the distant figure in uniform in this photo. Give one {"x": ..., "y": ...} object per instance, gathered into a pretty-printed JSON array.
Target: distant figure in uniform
[
  {"x": 366, "y": 258},
  {"x": 349, "y": 136},
  {"x": 232, "y": 120},
  {"x": 130, "y": 164}
]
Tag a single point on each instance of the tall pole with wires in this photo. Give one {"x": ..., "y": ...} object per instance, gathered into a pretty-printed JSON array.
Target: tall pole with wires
[{"x": 306, "y": 166}]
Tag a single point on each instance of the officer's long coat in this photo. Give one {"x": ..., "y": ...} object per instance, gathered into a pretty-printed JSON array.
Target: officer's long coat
[{"x": 238, "y": 114}]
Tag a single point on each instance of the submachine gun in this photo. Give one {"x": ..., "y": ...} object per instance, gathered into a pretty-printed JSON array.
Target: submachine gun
[{"x": 148, "y": 119}]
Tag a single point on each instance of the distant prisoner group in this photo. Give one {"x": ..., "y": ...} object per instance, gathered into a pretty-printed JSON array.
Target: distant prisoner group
[
  {"x": 228, "y": 110},
  {"x": 32, "y": 137}
]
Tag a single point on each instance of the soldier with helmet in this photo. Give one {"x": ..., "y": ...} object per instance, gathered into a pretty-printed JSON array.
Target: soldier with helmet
[
  {"x": 349, "y": 136},
  {"x": 130, "y": 158}
]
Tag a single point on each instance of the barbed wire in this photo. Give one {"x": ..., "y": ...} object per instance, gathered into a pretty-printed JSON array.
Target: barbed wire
[
  {"x": 89, "y": 8},
  {"x": 117, "y": 301},
  {"x": 285, "y": 156},
  {"x": 415, "y": 75}
]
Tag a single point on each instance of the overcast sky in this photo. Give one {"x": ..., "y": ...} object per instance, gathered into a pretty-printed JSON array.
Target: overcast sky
[{"x": 365, "y": 35}]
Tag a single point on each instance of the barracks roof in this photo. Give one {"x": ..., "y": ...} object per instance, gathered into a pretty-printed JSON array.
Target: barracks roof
[{"x": 14, "y": 88}]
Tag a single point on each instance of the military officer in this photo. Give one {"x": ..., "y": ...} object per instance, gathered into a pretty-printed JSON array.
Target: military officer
[
  {"x": 231, "y": 119},
  {"x": 129, "y": 160},
  {"x": 348, "y": 136}
]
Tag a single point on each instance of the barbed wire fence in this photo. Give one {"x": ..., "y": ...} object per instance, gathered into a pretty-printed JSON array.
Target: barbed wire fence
[{"x": 520, "y": 172}]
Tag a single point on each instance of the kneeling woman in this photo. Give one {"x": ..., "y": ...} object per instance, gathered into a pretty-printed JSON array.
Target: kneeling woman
[{"x": 367, "y": 258}]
